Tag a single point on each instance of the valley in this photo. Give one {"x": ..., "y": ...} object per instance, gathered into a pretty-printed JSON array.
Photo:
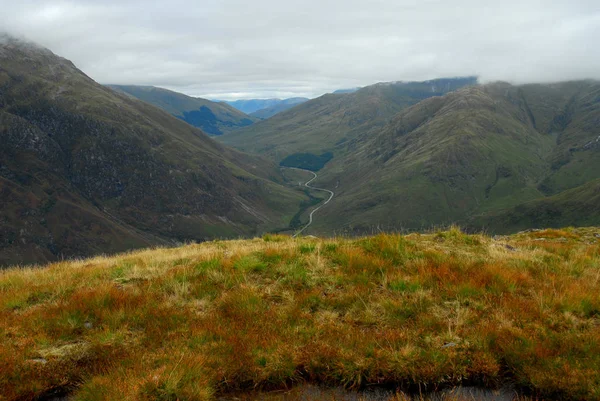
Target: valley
[
  {"x": 401, "y": 156},
  {"x": 312, "y": 212},
  {"x": 438, "y": 152},
  {"x": 464, "y": 157},
  {"x": 299, "y": 200}
]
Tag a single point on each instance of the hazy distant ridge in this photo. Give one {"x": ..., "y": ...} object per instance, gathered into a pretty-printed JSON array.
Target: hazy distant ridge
[{"x": 268, "y": 107}]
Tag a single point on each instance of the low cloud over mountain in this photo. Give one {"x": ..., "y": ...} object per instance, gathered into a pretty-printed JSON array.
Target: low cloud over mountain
[{"x": 229, "y": 49}]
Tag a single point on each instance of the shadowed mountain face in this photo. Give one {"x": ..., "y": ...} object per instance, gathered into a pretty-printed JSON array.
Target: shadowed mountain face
[
  {"x": 213, "y": 118},
  {"x": 86, "y": 170},
  {"x": 474, "y": 152},
  {"x": 328, "y": 122}
]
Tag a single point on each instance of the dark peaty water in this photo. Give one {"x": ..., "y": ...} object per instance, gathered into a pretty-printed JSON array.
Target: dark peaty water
[{"x": 315, "y": 393}]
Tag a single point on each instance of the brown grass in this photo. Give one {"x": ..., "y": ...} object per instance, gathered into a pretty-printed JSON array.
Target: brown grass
[{"x": 194, "y": 322}]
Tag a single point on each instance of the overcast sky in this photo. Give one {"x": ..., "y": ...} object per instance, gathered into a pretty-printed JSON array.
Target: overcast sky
[{"x": 227, "y": 49}]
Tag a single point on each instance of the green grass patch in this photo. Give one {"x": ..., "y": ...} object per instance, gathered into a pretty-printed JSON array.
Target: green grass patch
[
  {"x": 250, "y": 264},
  {"x": 403, "y": 286}
]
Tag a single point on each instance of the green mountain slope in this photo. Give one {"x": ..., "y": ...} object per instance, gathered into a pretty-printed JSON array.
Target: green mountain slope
[
  {"x": 84, "y": 169},
  {"x": 575, "y": 207},
  {"x": 213, "y": 118},
  {"x": 477, "y": 150},
  {"x": 330, "y": 121},
  {"x": 571, "y": 113}
]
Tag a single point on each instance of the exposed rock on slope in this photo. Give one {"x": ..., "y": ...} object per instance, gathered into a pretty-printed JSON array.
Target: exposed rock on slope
[{"x": 86, "y": 170}]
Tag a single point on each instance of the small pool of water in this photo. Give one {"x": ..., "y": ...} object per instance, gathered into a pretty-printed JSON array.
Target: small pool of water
[{"x": 316, "y": 393}]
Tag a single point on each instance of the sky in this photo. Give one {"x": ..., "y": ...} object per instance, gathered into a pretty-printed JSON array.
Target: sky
[{"x": 240, "y": 49}]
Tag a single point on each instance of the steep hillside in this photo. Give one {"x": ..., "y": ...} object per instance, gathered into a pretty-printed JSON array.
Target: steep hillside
[
  {"x": 474, "y": 151},
  {"x": 570, "y": 112},
  {"x": 283, "y": 105},
  {"x": 330, "y": 121},
  {"x": 85, "y": 170},
  {"x": 221, "y": 320},
  {"x": 579, "y": 207},
  {"x": 213, "y": 118}
]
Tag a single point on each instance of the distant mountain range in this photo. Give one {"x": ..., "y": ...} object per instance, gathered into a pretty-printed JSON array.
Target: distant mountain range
[
  {"x": 322, "y": 124},
  {"x": 212, "y": 117},
  {"x": 284, "y": 105},
  {"x": 265, "y": 108},
  {"x": 86, "y": 170}
]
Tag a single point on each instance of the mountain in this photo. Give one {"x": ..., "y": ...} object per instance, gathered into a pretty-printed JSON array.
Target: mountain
[
  {"x": 85, "y": 170},
  {"x": 278, "y": 108},
  {"x": 213, "y": 118},
  {"x": 327, "y": 123},
  {"x": 473, "y": 152},
  {"x": 250, "y": 106}
]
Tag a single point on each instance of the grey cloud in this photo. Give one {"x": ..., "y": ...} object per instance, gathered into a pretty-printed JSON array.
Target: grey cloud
[{"x": 234, "y": 48}]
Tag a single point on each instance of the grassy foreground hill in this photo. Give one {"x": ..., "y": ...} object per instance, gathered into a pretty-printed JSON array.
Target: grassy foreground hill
[
  {"x": 195, "y": 322},
  {"x": 211, "y": 117}
]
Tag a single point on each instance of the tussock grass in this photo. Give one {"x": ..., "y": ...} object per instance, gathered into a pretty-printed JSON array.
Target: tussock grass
[{"x": 193, "y": 322}]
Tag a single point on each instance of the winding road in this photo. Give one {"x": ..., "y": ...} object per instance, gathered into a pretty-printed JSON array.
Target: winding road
[{"x": 307, "y": 185}]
